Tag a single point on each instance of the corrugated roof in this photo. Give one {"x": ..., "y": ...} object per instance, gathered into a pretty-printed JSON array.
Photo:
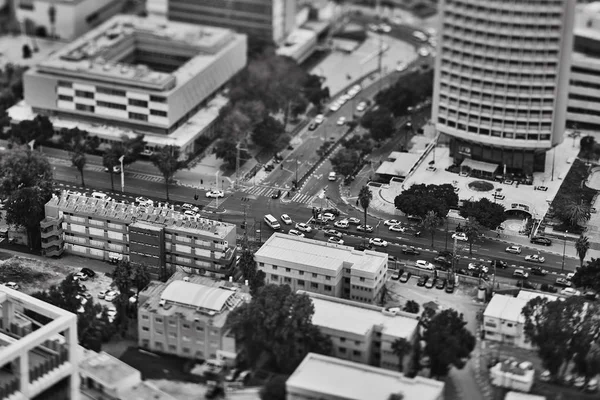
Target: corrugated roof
[
  {"x": 196, "y": 295},
  {"x": 507, "y": 308}
]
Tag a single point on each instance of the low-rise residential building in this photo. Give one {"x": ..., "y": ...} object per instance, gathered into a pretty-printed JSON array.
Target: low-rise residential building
[
  {"x": 39, "y": 361},
  {"x": 328, "y": 378},
  {"x": 159, "y": 237},
  {"x": 364, "y": 333},
  {"x": 186, "y": 316},
  {"x": 321, "y": 267},
  {"x": 503, "y": 321}
]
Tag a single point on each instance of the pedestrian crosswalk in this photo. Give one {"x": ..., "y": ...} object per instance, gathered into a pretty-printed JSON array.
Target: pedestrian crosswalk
[
  {"x": 268, "y": 191},
  {"x": 144, "y": 177}
]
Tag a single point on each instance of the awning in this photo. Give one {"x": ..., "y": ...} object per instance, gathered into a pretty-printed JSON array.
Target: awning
[{"x": 479, "y": 165}]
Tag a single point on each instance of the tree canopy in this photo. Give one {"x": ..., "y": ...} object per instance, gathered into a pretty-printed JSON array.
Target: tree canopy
[
  {"x": 406, "y": 93},
  {"x": 278, "y": 323},
  {"x": 167, "y": 161},
  {"x": 266, "y": 132},
  {"x": 485, "y": 212},
  {"x": 250, "y": 272},
  {"x": 448, "y": 341},
  {"x": 588, "y": 275},
  {"x": 39, "y": 129},
  {"x": 419, "y": 199},
  {"x": 274, "y": 389},
  {"x": 344, "y": 161}
]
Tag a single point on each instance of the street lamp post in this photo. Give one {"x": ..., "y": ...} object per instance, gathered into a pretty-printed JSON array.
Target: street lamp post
[
  {"x": 122, "y": 174},
  {"x": 562, "y": 269},
  {"x": 217, "y": 183}
]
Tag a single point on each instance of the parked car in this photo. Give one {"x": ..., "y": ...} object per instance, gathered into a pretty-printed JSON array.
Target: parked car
[
  {"x": 535, "y": 258},
  {"x": 391, "y": 222},
  {"x": 538, "y": 271},
  {"x": 335, "y": 240},
  {"x": 546, "y": 376},
  {"x": 541, "y": 188},
  {"x": 423, "y": 280},
  {"x": 294, "y": 232},
  {"x": 541, "y": 240},
  {"x": 332, "y": 232},
  {"x": 410, "y": 251},
  {"x": 450, "y": 286},
  {"x": 80, "y": 276},
  {"x": 232, "y": 374},
  {"x": 570, "y": 292},
  {"x": 514, "y": 249},
  {"x": 111, "y": 295},
  {"x": 313, "y": 126},
  {"x": 424, "y": 265},
  {"x": 12, "y": 285},
  {"x": 431, "y": 283},
  {"x": 592, "y": 385},
  {"x": 397, "y": 274},
  {"x": 562, "y": 282},
  {"x": 333, "y": 211},
  {"x": 405, "y": 277},
  {"x": 301, "y": 226},
  {"x": 520, "y": 273},
  {"x": 441, "y": 283},
  {"x": 378, "y": 242}
]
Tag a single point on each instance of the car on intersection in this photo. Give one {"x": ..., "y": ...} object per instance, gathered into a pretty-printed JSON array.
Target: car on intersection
[
  {"x": 294, "y": 232},
  {"x": 335, "y": 240},
  {"x": 397, "y": 228},
  {"x": 286, "y": 219},
  {"x": 391, "y": 222},
  {"x": 367, "y": 228},
  {"x": 354, "y": 221},
  {"x": 342, "y": 224},
  {"x": 301, "y": 226},
  {"x": 535, "y": 258},
  {"x": 333, "y": 232},
  {"x": 326, "y": 216},
  {"x": 514, "y": 249},
  {"x": 378, "y": 242},
  {"x": 215, "y": 194}
]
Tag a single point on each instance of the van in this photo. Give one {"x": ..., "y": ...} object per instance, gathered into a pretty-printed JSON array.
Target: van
[
  {"x": 100, "y": 195},
  {"x": 332, "y": 176},
  {"x": 272, "y": 222}
]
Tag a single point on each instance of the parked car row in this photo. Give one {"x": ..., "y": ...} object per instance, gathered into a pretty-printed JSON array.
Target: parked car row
[
  {"x": 425, "y": 280},
  {"x": 578, "y": 382}
]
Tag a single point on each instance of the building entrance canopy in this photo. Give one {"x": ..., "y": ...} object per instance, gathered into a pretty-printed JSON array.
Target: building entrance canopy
[{"x": 479, "y": 167}]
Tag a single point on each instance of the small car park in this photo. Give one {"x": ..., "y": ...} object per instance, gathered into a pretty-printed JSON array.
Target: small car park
[
  {"x": 410, "y": 251},
  {"x": 294, "y": 232},
  {"x": 378, "y": 242},
  {"x": 536, "y": 258},
  {"x": 520, "y": 273},
  {"x": 405, "y": 277},
  {"x": 301, "y": 226},
  {"x": 286, "y": 219},
  {"x": 513, "y": 249}
]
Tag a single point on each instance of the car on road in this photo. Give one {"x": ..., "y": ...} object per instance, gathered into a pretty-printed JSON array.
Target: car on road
[
  {"x": 446, "y": 253},
  {"x": 475, "y": 266},
  {"x": 111, "y": 295},
  {"x": 378, "y": 242},
  {"x": 538, "y": 271},
  {"x": 401, "y": 66},
  {"x": 422, "y": 280},
  {"x": 535, "y": 258},
  {"x": 570, "y": 292},
  {"x": 344, "y": 99},
  {"x": 319, "y": 119},
  {"x": 354, "y": 221},
  {"x": 562, "y": 282},
  {"x": 397, "y": 228},
  {"x": 286, "y": 219},
  {"x": 405, "y": 277},
  {"x": 215, "y": 194},
  {"x": 441, "y": 283},
  {"x": 513, "y": 249},
  {"x": 335, "y": 240},
  {"x": 525, "y": 284},
  {"x": 341, "y": 121},
  {"x": 443, "y": 261},
  {"x": 367, "y": 228},
  {"x": 335, "y": 106},
  {"x": 385, "y": 28},
  {"x": 411, "y": 251},
  {"x": 460, "y": 236},
  {"x": 541, "y": 188},
  {"x": 424, "y": 265},
  {"x": 431, "y": 283},
  {"x": 116, "y": 169},
  {"x": 326, "y": 217},
  {"x": 332, "y": 232},
  {"x": 541, "y": 240},
  {"x": 499, "y": 264},
  {"x": 362, "y": 106},
  {"x": 294, "y": 232},
  {"x": 188, "y": 206},
  {"x": 301, "y": 226},
  {"x": 12, "y": 285},
  {"x": 420, "y": 36},
  {"x": 391, "y": 222},
  {"x": 144, "y": 201},
  {"x": 450, "y": 286},
  {"x": 342, "y": 224},
  {"x": 520, "y": 273}
]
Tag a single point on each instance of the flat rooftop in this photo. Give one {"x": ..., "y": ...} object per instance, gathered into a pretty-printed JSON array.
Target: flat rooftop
[
  {"x": 106, "y": 369},
  {"x": 145, "y": 391},
  {"x": 127, "y": 213},
  {"x": 101, "y": 53},
  {"x": 318, "y": 254},
  {"x": 505, "y": 307},
  {"x": 352, "y": 317},
  {"x": 343, "y": 379},
  {"x": 397, "y": 164},
  {"x": 185, "y": 304}
]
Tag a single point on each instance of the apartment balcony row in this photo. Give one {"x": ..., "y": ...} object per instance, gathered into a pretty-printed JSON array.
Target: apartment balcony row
[
  {"x": 95, "y": 223},
  {"x": 54, "y": 240},
  {"x": 105, "y": 236},
  {"x": 489, "y": 37},
  {"x": 521, "y": 53},
  {"x": 50, "y": 223}
]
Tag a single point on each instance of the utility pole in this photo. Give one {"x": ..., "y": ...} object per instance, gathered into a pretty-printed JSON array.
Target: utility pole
[{"x": 379, "y": 61}]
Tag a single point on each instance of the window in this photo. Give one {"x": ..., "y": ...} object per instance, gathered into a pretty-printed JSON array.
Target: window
[
  {"x": 65, "y": 84},
  {"x": 300, "y": 282},
  {"x": 342, "y": 350},
  {"x": 356, "y": 353},
  {"x": 327, "y": 278},
  {"x": 84, "y": 94},
  {"x": 158, "y": 99},
  {"x": 84, "y": 107},
  {"x": 158, "y": 113},
  {"x": 314, "y": 275},
  {"x": 112, "y": 92},
  {"x": 288, "y": 270},
  {"x": 138, "y": 103},
  {"x": 273, "y": 277},
  {"x": 65, "y": 98},
  {"x": 140, "y": 117},
  {"x": 261, "y": 264},
  {"x": 145, "y": 328},
  {"x": 301, "y": 272},
  {"x": 328, "y": 288},
  {"x": 274, "y": 267},
  {"x": 314, "y": 285},
  {"x": 111, "y": 105}
]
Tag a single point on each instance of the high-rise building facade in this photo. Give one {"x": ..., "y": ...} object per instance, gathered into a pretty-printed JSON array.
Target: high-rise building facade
[{"x": 502, "y": 78}]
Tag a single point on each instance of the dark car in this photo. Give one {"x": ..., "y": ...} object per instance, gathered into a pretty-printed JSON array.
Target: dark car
[
  {"x": 431, "y": 283},
  {"x": 313, "y": 126},
  {"x": 88, "y": 272},
  {"x": 442, "y": 261},
  {"x": 363, "y": 247},
  {"x": 499, "y": 264},
  {"x": 422, "y": 280},
  {"x": 446, "y": 254},
  {"x": 333, "y": 211},
  {"x": 405, "y": 277},
  {"x": 541, "y": 240},
  {"x": 441, "y": 283},
  {"x": 450, "y": 287},
  {"x": 411, "y": 251},
  {"x": 397, "y": 274},
  {"x": 276, "y": 194},
  {"x": 525, "y": 284},
  {"x": 538, "y": 271}
]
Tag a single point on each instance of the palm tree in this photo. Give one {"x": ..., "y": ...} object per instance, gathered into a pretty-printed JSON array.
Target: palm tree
[
  {"x": 79, "y": 160},
  {"x": 364, "y": 199},
  {"x": 473, "y": 231},
  {"x": 78, "y": 143},
  {"x": 576, "y": 213},
  {"x": 110, "y": 159},
  {"x": 582, "y": 245},
  {"x": 401, "y": 347},
  {"x": 430, "y": 223},
  {"x": 168, "y": 163}
]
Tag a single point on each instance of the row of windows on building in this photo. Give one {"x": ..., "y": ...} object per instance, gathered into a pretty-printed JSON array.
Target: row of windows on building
[
  {"x": 496, "y": 116},
  {"x": 451, "y": 57},
  {"x": 466, "y": 48},
  {"x": 492, "y": 132},
  {"x": 534, "y": 23},
  {"x": 300, "y": 282},
  {"x": 504, "y": 91},
  {"x": 524, "y": 107},
  {"x": 112, "y": 92},
  {"x": 501, "y": 7},
  {"x": 314, "y": 275}
]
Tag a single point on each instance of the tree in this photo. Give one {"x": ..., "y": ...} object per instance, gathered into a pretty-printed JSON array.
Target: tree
[
  {"x": 430, "y": 223},
  {"x": 26, "y": 184},
  {"x": 267, "y": 132},
  {"x": 575, "y": 213},
  {"x": 274, "y": 389},
  {"x": 560, "y": 330},
  {"x": 490, "y": 215},
  {"x": 39, "y": 129},
  {"x": 382, "y": 126},
  {"x": 448, "y": 342},
  {"x": 226, "y": 150},
  {"x": 250, "y": 272},
  {"x": 472, "y": 230},
  {"x": 586, "y": 146},
  {"x": 110, "y": 159},
  {"x": 26, "y": 51},
  {"x": 364, "y": 199},
  {"x": 411, "y": 306},
  {"x": 593, "y": 360},
  {"x": 276, "y": 324},
  {"x": 419, "y": 199},
  {"x": 168, "y": 163},
  {"x": 345, "y": 161},
  {"x": 78, "y": 143},
  {"x": 401, "y": 347},
  {"x": 588, "y": 276},
  {"x": 582, "y": 245}
]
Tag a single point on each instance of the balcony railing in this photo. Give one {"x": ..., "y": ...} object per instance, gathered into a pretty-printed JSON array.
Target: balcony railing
[
  {"x": 54, "y": 251},
  {"x": 50, "y": 222}
]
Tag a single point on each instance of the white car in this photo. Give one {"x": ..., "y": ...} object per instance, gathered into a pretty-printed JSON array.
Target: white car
[
  {"x": 423, "y": 52},
  {"x": 188, "y": 206},
  {"x": 294, "y": 232},
  {"x": 12, "y": 285},
  {"x": 420, "y": 36},
  {"x": 301, "y": 226},
  {"x": 112, "y": 313},
  {"x": 385, "y": 28},
  {"x": 333, "y": 232},
  {"x": 570, "y": 292},
  {"x": 344, "y": 99},
  {"x": 391, "y": 222},
  {"x": 397, "y": 228},
  {"x": 80, "y": 276},
  {"x": 335, "y": 240},
  {"x": 401, "y": 67},
  {"x": 460, "y": 236},
  {"x": 535, "y": 258},
  {"x": 513, "y": 249},
  {"x": 190, "y": 213},
  {"x": 520, "y": 273},
  {"x": 102, "y": 294},
  {"x": 362, "y": 106},
  {"x": 343, "y": 224},
  {"x": 335, "y": 106},
  {"x": 424, "y": 265},
  {"x": 111, "y": 295},
  {"x": 378, "y": 242},
  {"x": 478, "y": 266},
  {"x": 286, "y": 219},
  {"x": 354, "y": 220},
  {"x": 215, "y": 194},
  {"x": 341, "y": 121},
  {"x": 327, "y": 217},
  {"x": 319, "y": 119}
]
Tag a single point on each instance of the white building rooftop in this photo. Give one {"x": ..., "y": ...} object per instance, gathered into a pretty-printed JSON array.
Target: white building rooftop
[
  {"x": 528, "y": 295},
  {"x": 398, "y": 164},
  {"x": 197, "y": 295},
  {"x": 318, "y": 254},
  {"x": 506, "y": 308},
  {"x": 341, "y": 379}
]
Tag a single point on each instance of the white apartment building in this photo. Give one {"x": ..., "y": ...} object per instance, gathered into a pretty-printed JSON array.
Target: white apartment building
[
  {"x": 73, "y": 18},
  {"x": 324, "y": 268},
  {"x": 328, "y": 378},
  {"x": 502, "y": 79},
  {"x": 363, "y": 333}
]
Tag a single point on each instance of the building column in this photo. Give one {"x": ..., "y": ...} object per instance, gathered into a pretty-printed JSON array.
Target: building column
[
  {"x": 24, "y": 374},
  {"x": 74, "y": 358},
  {"x": 8, "y": 313}
]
